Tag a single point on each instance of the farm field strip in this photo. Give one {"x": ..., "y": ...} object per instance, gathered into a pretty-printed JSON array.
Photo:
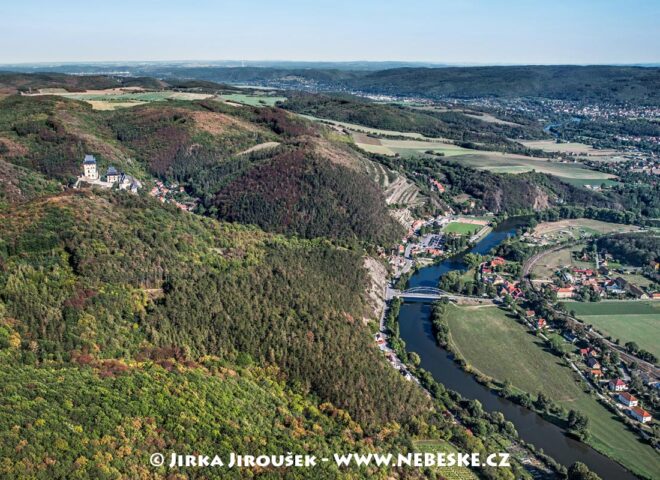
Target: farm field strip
[
  {"x": 571, "y": 147},
  {"x": 499, "y": 347},
  {"x": 252, "y": 99},
  {"x": 628, "y": 320}
]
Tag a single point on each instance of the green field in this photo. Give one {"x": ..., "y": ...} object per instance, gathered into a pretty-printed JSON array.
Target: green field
[
  {"x": 629, "y": 321},
  {"x": 499, "y": 347},
  {"x": 462, "y": 228},
  {"x": 254, "y": 100}
]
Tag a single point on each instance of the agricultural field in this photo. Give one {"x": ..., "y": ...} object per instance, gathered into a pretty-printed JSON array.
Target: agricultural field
[
  {"x": 497, "y": 346},
  {"x": 499, "y": 162},
  {"x": 573, "y": 148},
  {"x": 629, "y": 321},
  {"x": 354, "y": 127},
  {"x": 115, "y": 98},
  {"x": 252, "y": 99},
  {"x": 407, "y": 148}
]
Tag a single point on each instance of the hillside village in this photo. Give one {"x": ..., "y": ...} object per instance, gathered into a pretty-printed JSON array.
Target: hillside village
[{"x": 598, "y": 282}]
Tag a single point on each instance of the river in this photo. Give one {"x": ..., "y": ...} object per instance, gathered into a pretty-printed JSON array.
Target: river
[{"x": 416, "y": 330}]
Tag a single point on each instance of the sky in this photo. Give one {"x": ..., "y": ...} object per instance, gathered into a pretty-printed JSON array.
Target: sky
[{"x": 443, "y": 31}]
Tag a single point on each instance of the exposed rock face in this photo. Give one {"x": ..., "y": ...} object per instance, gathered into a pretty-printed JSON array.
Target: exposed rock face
[{"x": 377, "y": 277}]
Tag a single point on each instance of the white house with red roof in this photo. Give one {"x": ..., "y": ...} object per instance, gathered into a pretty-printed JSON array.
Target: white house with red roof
[
  {"x": 641, "y": 415},
  {"x": 627, "y": 399},
  {"x": 618, "y": 385}
]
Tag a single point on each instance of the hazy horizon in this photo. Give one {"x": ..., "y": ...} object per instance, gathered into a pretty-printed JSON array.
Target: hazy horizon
[{"x": 469, "y": 32}]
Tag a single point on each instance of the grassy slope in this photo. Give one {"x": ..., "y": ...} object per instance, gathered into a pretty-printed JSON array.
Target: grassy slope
[{"x": 501, "y": 348}]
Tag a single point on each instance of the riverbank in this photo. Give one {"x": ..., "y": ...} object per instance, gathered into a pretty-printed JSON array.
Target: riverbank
[
  {"x": 502, "y": 353},
  {"x": 416, "y": 330}
]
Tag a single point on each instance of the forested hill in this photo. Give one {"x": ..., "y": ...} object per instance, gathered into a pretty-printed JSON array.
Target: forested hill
[
  {"x": 604, "y": 83},
  {"x": 128, "y": 327},
  {"x": 589, "y": 83},
  {"x": 86, "y": 278},
  {"x": 311, "y": 184}
]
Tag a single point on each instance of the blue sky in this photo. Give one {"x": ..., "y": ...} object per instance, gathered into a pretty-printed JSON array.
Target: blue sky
[{"x": 456, "y": 31}]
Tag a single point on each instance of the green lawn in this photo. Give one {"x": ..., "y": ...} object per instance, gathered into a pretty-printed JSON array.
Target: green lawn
[
  {"x": 499, "y": 347},
  {"x": 462, "y": 228},
  {"x": 629, "y": 321}
]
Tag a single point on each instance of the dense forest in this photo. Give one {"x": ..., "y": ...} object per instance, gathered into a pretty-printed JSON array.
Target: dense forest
[
  {"x": 638, "y": 249},
  {"x": 109, "y": 277},
  {"x": 564, "y": 82}
]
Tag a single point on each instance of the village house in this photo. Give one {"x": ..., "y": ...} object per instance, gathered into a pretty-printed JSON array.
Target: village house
[
  {"x": 627, "y": 399},
  {"x": 618, "y": 385},
  {"x": 510, "y": 288},
  {"x": 596, "y": 373},
  {"x": 565, "y": 292},
  {"x": 640, "y": 414},
  {"x": 593, "y": 363},
  {"x": 437, "y": 185},
  {"x": 541, "y": 323},
  {"x": 633, "y": 290}
]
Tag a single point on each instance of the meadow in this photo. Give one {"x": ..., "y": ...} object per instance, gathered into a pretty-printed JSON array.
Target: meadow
[
  {"x": 629, "y": 321},
  {"x": 497, "y": 346},
  {"x": 450, "y": 473},
  {"x": 547, "y": 265}
]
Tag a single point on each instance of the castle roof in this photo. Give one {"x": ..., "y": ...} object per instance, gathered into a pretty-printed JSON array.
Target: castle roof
[
  {"x": 89, "y": 160},
  {"x": 112, "y": 171}
]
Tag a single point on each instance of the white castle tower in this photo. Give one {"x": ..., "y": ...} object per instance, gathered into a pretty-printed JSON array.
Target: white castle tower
[{"x": 89, "y": 167}]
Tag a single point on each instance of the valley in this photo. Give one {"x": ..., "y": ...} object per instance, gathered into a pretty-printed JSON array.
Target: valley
[{"x": 235, "y": 246}]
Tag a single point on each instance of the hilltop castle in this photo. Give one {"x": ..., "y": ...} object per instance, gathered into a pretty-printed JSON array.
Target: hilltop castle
[{"x": 112, "y": 177}]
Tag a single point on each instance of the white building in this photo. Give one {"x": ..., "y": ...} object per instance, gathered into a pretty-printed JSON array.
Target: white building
[{"x": 112, "y": 175}]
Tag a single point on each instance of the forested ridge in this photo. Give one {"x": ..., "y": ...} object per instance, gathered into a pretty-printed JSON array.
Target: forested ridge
[
  {"x": 599, "y": 83},
  {"x": 638, "y": 249},
  {"x": 110, "y": 276},
  {"x": 199, "y": 145},
  {"x": 454, "y": 125}
]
